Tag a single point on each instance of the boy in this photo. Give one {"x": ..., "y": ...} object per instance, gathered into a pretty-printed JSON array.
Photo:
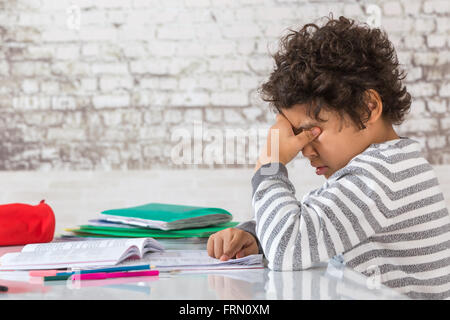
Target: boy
[{"x": 338, "y": 92}]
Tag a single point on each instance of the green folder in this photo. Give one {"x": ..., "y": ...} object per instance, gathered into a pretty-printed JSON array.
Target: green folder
[
  {"x": 168, "y": 216},
  {"x": 103, "y": 231}
]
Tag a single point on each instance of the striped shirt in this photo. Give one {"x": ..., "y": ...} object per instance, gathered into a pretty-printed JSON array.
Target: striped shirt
[{"x": 383, "y": 213}]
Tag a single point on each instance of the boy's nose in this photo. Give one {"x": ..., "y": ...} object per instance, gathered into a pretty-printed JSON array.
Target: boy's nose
[{"x": 308, "y": 151}]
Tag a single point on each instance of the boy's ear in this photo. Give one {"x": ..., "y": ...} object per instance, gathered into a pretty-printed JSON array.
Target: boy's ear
[{"x": 375, "y": 106}]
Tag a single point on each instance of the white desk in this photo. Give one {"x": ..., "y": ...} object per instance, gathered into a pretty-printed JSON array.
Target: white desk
[
  {"x": 77, "y": 197},
  {"x": 260, "y": 284}
]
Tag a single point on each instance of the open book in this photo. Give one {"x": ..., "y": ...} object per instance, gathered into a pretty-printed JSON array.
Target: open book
[{"x": 78, "y": 254}]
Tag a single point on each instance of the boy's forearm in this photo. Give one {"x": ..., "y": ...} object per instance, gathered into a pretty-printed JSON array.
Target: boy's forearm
[{"x": 275, "y": 220}]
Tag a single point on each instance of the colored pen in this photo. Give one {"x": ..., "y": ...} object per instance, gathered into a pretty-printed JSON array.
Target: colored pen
[
  {"x": 110, "y": 269},
  {"x": 43, "y": 273},
  {"x": 53, "y": 275},
  {"x": 106, "y": 275}
]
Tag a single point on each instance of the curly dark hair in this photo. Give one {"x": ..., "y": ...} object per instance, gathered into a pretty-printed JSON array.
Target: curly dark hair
[{"x": 334, "y": 66}]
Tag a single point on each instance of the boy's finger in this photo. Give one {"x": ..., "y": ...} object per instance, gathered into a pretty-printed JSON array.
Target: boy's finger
[
  {"x": 218, "y": 247},
  {"x": 232, "y": 247},
  {"x": 307, "y": 136},
  {"x": 224, "y": 257},
  {"x": 246, "y": 251},
  {"x": 210, "y": 246}
]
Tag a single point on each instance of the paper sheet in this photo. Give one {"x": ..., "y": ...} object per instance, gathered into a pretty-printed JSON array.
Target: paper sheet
[{"x": 177, "y": 259}]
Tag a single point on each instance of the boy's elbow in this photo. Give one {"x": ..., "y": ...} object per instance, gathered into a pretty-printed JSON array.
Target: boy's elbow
[{"x": 277, "y": 262}]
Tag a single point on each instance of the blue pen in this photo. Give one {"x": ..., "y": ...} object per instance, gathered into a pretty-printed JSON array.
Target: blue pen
[{"x": 110, "y": 269}]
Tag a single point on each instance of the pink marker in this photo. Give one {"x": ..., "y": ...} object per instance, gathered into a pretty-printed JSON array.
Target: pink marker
[
  {"x": 43, "y": 273},
  {"x": 106, "y": 275}
]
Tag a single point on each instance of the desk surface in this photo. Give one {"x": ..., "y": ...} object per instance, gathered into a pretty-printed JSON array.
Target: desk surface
[
  {"x": 77, "y": 197},
  {"x": 325, "y": 282}
]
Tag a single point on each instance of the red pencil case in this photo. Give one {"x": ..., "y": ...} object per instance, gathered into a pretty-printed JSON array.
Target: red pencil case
[{"x": 23, "y": 223}]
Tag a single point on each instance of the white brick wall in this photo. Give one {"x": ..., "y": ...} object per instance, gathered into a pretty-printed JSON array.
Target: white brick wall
[{"x": 87, "y": 84}]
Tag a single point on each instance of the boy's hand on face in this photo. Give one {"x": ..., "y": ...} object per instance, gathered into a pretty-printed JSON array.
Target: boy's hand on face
[
  {"x": 231, "y": 243},
  {"x": 282, "y": 137}
]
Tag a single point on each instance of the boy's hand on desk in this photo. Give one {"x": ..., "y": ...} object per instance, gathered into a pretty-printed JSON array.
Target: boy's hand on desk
[
  {"x": 287, "y": 144},
  {"x": 231, "y": 243}
]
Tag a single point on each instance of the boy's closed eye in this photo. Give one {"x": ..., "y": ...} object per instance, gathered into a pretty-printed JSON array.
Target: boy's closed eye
[{"x": 298, "y": 130}]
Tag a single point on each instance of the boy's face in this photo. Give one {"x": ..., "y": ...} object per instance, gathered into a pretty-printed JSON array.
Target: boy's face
[{"x": 339, "y": 141}]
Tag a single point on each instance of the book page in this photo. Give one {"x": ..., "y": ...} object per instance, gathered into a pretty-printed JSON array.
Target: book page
[
  {"x": 60, "y": 258},
  {"x": 89, "y": 244}
]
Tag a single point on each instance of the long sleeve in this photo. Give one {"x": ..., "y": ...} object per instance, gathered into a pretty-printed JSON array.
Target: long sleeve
[
  {"x": 250, "y": 227},
  {"x": 328, "y": 221}
]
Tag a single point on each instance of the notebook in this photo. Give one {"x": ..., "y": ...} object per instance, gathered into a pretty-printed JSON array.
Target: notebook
[
  {"x": 78, "y": 254},
  {"x": 168, "y": 216},
  {"x": 195, "y": 260},
  {"x": 101, "y": 228}
]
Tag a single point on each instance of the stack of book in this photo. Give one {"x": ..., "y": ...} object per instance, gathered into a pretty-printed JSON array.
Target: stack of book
[{"x": 157, "y": 220}]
